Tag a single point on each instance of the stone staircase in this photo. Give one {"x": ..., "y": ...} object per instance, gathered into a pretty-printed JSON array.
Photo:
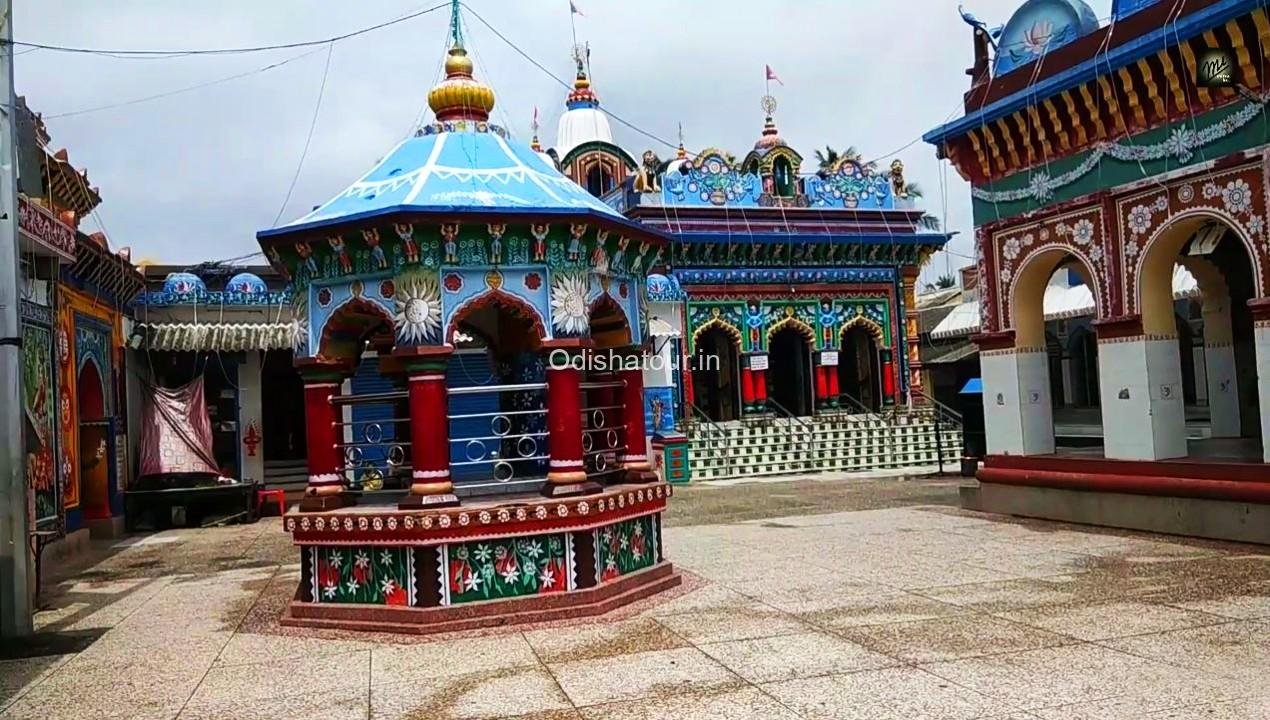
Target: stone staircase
[{"x": 838, "y": 441}]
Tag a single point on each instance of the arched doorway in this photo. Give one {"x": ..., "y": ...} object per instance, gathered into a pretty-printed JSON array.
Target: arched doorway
[
  {"x": 94, "y": 441},
  {"x": 789, "y": 374},
  {"x": 1030, "y": 378},
  {"x": 716, "y": 369},
  {"x": 374, "y": 438},
  {"x": 860, "y": 368},
  {"x": 604, "y": 433},
  {"x": 1220, "y": 260},
  {"x": 497, "y": 399}
]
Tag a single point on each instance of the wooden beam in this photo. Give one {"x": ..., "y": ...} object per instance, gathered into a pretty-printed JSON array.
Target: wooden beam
[
  {"x": 1078, "y": 123},
  {"x": 1035, "y": 118},
  {"x": 1180, "y": 102},
  {"x": 1131, "y": 93},
  {"x": 1188, "y": 56},
  {"x": 1153, "y": 90},
  {"x": 1026, "y": 135},
  {"x": 1064, "y": 143},
  {"x": 994, "y": 151},
  {"x": 985, "y": 169},
  {"x": 1109, "y": 98},
  {"x": 1010, "y": 150},
  {"x": 1263, "y": 31},
  {"x": 1249, "y": 72},
  {"x": 1095, "y": 113}
]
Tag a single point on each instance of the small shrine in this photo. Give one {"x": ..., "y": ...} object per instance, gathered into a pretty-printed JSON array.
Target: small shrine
[{"x": 470, "y": 326}]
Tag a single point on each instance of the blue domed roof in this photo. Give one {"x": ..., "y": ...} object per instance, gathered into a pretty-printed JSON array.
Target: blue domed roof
[
  {"x": 246, "y": 283},
  {"x": 665, "y": 288},
  {"x": 183, "y": 283},
  {"x": 460, "y": 166},
  {"x": 1040, "y": 26}
]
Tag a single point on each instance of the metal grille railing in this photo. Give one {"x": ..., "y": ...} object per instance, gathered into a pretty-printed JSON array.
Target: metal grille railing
[
  {"x": 603, "y": 432},
  {"x": 376, "y": 452},
  {"x": 502, "y": 448}
]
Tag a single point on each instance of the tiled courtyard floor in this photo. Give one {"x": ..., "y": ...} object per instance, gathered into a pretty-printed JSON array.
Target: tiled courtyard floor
[{"x": 816, "y": 599}]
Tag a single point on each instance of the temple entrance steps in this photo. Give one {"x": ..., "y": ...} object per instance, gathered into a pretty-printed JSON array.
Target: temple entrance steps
[
  {"x": 288, "y": 475},
  {"x": 826, "y": 442}
]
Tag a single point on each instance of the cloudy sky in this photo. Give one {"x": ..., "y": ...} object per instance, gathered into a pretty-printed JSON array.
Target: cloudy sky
[{"x": 193, "y": 176}]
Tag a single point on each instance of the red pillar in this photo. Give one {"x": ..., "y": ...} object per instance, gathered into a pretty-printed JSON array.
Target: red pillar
[
  {"x": 888, "y": 377},
  {"x": 430, "y": 482},
  {"x": 322, "y": 381},
  {"x": 566, "y": 475},
  {"x": 831, "y": 373},
  {"x": 822, "y": 384},
  {"x": 747, "y": 389},
  {"x": 760, "y": 388},
  {"x": 638, "y": 469}
]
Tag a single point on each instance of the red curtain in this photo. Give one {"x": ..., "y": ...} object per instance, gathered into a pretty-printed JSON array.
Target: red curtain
[{"x": 176, "y": 432}]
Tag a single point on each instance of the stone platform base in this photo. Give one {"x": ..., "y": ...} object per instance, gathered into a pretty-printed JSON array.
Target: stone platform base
[
  {"x": 1221, "y": 501},
  {"x": 516, "y": 611},
  {"x": 489, "y": 561}
]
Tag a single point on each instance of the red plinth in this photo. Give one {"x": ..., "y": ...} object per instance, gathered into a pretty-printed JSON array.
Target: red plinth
[
  {"x": 888, "y": 378},
  {"x": 760, "y": 390},
  {"x": 822, "y": 384},
  {"x": 831, "y": 375}
]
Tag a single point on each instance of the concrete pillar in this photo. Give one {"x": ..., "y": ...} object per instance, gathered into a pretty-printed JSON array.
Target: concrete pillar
[
  {"x": 1261, "y": 337},
  {"x": 1143, "y": 411},
  {"x": 1018, "y": 416},
  {"x": 1222, "y": 388},
  {"x": 1200, "y": 360},
  {"x": 251, "y": 446}
]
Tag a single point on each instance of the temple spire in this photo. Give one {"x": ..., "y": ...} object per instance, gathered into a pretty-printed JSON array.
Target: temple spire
[{"x": 460, "y": 96}]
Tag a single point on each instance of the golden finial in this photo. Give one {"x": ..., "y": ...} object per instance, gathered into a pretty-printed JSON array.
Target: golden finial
[{"x": 459, "y": 96}]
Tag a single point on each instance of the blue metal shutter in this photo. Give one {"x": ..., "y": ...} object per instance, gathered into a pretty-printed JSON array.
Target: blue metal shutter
[
  {"x": 469, "y": 369},
  {"x": 368, "y": 380}
]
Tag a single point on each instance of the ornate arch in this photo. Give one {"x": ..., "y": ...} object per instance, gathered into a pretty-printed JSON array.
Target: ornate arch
[
  {"x": 1236, "y": 198},
  {"x": 1080, "y": 233},
  {"x": 797, "y": 324},
  {"x": 355, "y": 315},
  {"x": 732, "y": 331},
  {"x": 1045, "y": 260},
  {"x": 502, "y": 300},
  {"x": 875, "y": 330},
  {"x": 611, "y": 308}
]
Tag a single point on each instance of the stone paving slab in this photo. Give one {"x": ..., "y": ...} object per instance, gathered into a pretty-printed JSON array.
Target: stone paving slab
[{"x": 872, "y": 607}]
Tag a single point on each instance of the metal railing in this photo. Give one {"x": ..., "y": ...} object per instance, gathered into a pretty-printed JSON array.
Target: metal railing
[
  {"x": 809, "y": 443},
  {"x": 603, "y": 433},
  {"x": 503, "y": 448},
  {"x": 372, "y": 449}
]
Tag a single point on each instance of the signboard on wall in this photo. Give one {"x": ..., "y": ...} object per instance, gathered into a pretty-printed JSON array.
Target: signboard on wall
[
  {"x": 758, "y": 362},
  {"x": 829, "y": 358}
]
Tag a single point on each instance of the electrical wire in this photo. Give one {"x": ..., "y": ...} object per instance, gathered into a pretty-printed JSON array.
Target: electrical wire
[
  {"x": 137, "y": 54},
  {"x": 317, "y": 108},
  {"x": 170, "y": 93}
]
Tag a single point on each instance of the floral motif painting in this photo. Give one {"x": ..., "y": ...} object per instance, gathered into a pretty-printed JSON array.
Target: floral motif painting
[
  {"x": 496, "y": 569},
  {"x": 626, "y": 547},
  {"x": 370, "y": 575},
  {"x": 39, "y": 400}
]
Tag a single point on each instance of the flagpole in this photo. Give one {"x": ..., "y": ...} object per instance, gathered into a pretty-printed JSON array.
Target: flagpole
[{"x": 573, "y": 27}]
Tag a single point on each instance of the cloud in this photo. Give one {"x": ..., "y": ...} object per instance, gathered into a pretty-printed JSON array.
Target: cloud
[{"x": 194, "y": 176}]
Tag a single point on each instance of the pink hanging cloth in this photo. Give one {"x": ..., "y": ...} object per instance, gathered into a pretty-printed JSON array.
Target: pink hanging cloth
[{"x": 176, "y": 432}]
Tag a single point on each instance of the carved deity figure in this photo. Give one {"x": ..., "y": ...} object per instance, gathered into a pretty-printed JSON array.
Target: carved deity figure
[
  {"x": 496, "y": 242},
  {"x": 638, "y": 263},
  {"x": 406, "y": 233},
  {"x": 576, "y": 231},
  {"x": 450, "y": 231},
  {"x": 341, "y": 253},
  {"x": 619, "y": 258},
  {"x": 376, "y": 252},
  {"x": 539, "y": 232},
  {"x": 600, "y": 257},
  {"x": 899, "y": 188},
  {"x": 646, "y": 180},
  {"x": 305, "y": 251}
]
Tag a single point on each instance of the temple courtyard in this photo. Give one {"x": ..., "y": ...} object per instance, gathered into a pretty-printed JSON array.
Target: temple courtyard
[{"x": 833, "y": 597}]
